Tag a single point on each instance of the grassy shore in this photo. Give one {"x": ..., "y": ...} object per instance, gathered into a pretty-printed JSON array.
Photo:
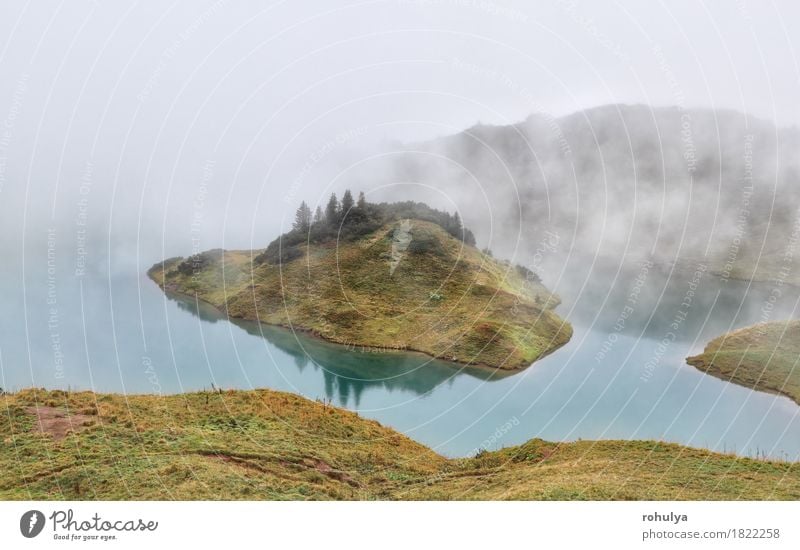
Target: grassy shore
[
  {"x": 765, "y": 357},
  {"x": 437, "y": 295},
  {"x": 270, "y": 445}
]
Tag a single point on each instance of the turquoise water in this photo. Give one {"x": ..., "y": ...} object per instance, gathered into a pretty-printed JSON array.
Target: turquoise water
[{"x": 120, "y": 333}]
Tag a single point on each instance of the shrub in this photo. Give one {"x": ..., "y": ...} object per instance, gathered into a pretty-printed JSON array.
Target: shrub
[
  {"x": 198, "y": 262},
  {"x": 529, "y": 274},
  {"x": 425, "y": 244}
]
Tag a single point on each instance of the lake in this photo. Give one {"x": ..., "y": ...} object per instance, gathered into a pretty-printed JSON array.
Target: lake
[{"x": 622, "y": 376}]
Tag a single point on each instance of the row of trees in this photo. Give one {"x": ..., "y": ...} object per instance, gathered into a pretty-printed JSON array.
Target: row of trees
[
  {"x": 334, "y": 214},
  {"x": 350, "y": 218}
]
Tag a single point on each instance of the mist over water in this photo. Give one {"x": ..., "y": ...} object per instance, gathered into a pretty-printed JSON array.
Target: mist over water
[{"x": 585, "y": 150}]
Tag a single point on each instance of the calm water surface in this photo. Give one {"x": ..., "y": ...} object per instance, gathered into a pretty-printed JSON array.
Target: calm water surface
[{"x": 122, "y": 334}]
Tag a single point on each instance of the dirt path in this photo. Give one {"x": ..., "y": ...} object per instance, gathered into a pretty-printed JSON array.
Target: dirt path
[{"x": 57, "y": 423}]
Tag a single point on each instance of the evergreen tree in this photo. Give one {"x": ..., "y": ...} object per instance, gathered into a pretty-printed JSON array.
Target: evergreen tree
[
  {"x": 469, "y": 237},
  {"x": 332, "y": 210},
  {"x": 302, "y": 218},
  {"x": 447, "y": 222},
  {"x": 362, "y": 202},
  {"x": 347, "y": 202},
  {"x": 318, "y": 216},
  {"x": 457, "y": 230}
]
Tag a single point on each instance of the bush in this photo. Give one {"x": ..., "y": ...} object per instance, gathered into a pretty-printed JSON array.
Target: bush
[
  {"x": 528, "y": 274},
  {"x": 426, "y": 244},
  {"x": 198, "y": 262}
]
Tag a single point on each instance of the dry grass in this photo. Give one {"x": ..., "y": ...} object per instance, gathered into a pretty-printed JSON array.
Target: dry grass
[{"x": 269, "y": 445}]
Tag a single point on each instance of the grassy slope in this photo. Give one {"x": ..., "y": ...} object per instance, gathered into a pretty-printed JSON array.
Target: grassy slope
[
  {"x": 488, "y": 313},
  {"x": 764, "y": 357},
  {"x": 270, "y": 445}
]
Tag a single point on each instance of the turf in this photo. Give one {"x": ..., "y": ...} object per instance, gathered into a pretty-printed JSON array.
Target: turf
[{"x": 252, "y": 445}]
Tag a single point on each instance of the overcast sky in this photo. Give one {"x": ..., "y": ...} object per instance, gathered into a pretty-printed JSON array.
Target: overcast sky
[{"x": 212, "y": 119}]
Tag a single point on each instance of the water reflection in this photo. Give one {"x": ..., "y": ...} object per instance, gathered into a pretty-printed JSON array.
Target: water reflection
[
  {"x": 649, "y": 298},
  {"x": 568, "y": 395},
  {"x": 347, "y": 371}
]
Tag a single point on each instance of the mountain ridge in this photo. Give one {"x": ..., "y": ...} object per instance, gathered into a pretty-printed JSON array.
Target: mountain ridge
[{"x": 667, "y": 182}]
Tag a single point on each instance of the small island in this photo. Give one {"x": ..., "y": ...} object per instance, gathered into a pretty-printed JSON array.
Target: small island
[
  {"x": 388, "y": 276},
  {"x": 764, "y": 357}
]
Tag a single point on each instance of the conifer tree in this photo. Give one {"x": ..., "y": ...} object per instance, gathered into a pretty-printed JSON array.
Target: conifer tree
[
  {"x": 302, "y": 218},
  {"x": 332, "y": 210},
  {"x": 457, "y": 227},
  {"x": 347, "y": 202}
]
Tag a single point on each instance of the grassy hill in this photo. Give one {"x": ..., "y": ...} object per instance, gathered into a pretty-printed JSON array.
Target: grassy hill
[
  {"x": 268, "y": 445},
  {"x": 407, "y": 284},
  {"x": 765, "y": 357}
]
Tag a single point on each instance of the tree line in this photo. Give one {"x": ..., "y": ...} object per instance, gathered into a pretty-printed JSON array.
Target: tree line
[{"x": 348, "y": 218}]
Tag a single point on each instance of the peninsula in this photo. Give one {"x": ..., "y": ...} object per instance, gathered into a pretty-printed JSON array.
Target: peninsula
[{"x": 764, "y": 357}]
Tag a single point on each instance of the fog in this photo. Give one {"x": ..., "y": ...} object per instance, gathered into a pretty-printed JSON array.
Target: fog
[
  {"x": 133, "y": 132},
  {"x": 640, "y": 157},
  {"x": 663, "y": 183}
]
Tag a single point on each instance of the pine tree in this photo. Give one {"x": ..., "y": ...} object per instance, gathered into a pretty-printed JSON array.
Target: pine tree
[
  {"x": 302, "y": 218},
  {"x": 347, "y": 202},
  {"x": 332, "y": 211},
  {"x": 318, "y": 216},
  {"x": 362, "y": 202},
  {"x": 469, "y": 237},
  {"x": 457, "y": 227},
  {"x": 447, "y": 222}
]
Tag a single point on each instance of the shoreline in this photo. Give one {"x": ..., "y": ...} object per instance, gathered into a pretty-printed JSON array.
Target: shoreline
[
  {"x": 760, "y": 357},
  {"x": 312, "y": 333},
  {"x": 709, "y": 369}
]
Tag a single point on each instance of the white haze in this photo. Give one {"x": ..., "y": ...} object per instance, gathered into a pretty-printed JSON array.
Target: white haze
[{"x": 174, "y": 126}]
